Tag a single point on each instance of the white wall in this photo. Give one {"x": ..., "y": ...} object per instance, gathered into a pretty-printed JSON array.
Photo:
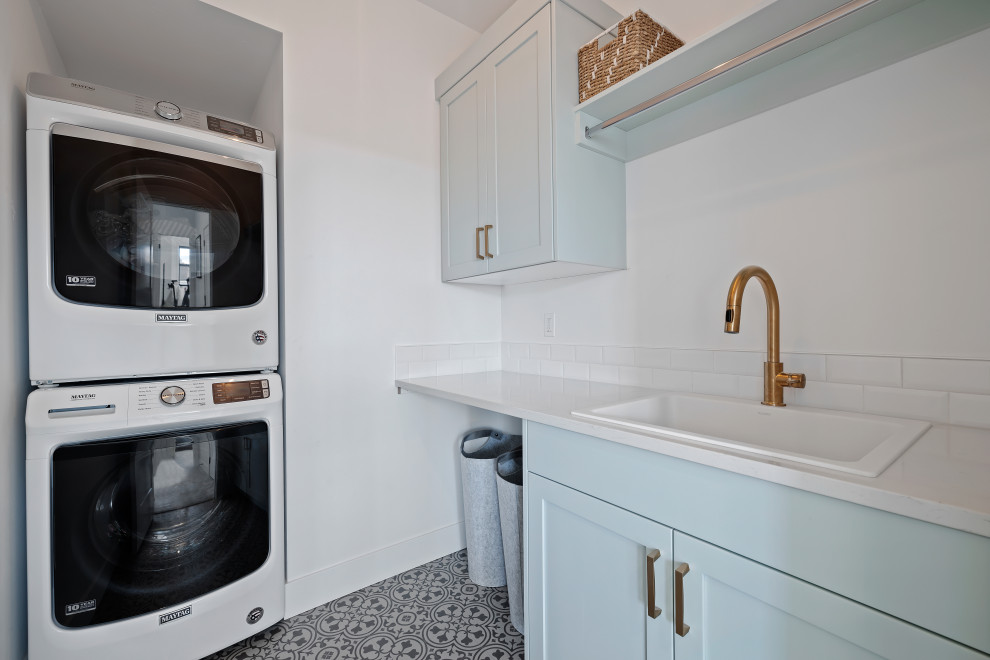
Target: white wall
[
  {"x": 25, "y": 46},
  {"x": 367, "y": 472},
  {"x": 868, "y": 203}
]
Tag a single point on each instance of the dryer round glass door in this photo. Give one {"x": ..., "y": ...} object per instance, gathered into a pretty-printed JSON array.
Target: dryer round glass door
[
  {"x": 144, "y": 523},
  {"x": 137, "y": 223}
]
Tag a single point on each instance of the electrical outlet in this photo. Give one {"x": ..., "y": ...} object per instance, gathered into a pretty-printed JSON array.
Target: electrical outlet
[{"x": 549, "y": 324}]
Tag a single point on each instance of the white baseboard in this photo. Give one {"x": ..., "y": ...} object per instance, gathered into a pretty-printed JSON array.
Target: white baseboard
[{"x": 341, "y": 579}]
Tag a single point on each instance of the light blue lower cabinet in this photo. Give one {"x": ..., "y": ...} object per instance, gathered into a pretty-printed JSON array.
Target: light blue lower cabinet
[
  {"x": 587, "y": 587},
  {"x": 587, "y": 579},
  {"x": 737, "y": 609}
]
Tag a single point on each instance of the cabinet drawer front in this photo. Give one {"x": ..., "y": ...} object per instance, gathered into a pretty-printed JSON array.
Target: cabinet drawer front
[
  {"x": 737, "y": 608},
  {"x": 586, "y": 579},
  {"x": 934, "y": 577}
]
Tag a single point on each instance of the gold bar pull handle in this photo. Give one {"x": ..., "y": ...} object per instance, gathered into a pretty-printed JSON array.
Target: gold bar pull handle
[
  {"x": 680, "y": 627},
  {"x": 477, "y": 242},
  {"x": 651, "y": 584},
  {"x": 487, "y": 229}
]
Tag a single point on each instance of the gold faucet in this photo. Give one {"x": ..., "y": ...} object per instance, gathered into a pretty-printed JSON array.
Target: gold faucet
[{"x": 774, "y": 380}]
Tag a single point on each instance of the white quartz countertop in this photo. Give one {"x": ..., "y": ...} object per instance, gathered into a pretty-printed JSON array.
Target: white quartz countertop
[{"x": 944, "y": 478}]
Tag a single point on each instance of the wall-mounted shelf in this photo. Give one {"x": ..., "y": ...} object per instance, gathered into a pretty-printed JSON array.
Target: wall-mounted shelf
[{"x": 874, "y": 35}]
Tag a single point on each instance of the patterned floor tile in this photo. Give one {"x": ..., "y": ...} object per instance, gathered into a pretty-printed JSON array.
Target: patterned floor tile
[{"x": 431, "y": 612}]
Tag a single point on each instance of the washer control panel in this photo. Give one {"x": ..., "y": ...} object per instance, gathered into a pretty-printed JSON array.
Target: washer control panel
[
  {"x": 242, "y": 390},
  {"x": 157, "y": 398}
]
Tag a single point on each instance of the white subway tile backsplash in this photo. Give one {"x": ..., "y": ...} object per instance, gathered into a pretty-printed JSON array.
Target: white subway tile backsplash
[
  {"x": 717, "y": 384},
  {"x": 605, "y": 373},
  {"x": 539, "y": 351},
  {"x": 448, "y": 367},
  {"x": 972, "y": 376},
  {"x": 493, "y": 364},
  {"x": 914, "y": 404},
  {"x": 576, "y": 370},
  {"x": 422, "y": 369},
  {"x": 401, "y": 370},
  {"x": 812, "y": 366},
  {"x": 408, "y": 353},
  {"x": 437, "y": 352},
  {"x": 461, "y": 351},
  {"x": 589, "y": 354},
  {"x": 837, "y": 396},
  {"x": 692, "y": 360},
  {"x": 668, "y": 379},
  {"x": 552, "y": 368},
  {"x": 562, "y": 352},
  {"x": 751, "y": 387},
  {"x": 969, "y": 410},
  {"x": 519, "y": 350},
  {"x": 860, "y": 370},
  {"x": 741, "y": 363},
  {"x": 486, "y": 350},
  {"x": 474, "y": 365},
  {"x": 529, "y": 366},
  {"x": 619, "y": 355},
  {"x": 510, "y": 364},
  {"x": 638, "y": 376},
  {"x": 655, "y": 358}
]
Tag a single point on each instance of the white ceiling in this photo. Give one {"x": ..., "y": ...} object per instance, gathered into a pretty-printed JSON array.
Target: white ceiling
[
  {"x": 476, "y": 14},
  {"x": 688, "y": 19},
  {"x": 185, "y": 51}
]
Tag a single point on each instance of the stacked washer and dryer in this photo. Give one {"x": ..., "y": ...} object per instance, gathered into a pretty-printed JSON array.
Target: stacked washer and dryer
[{"x": 154, "y": 439}]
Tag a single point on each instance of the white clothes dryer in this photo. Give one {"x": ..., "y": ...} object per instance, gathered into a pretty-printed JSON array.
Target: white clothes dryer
[
  {"x": 152, "y": 237},
  {"x": 154, "y": 517}
]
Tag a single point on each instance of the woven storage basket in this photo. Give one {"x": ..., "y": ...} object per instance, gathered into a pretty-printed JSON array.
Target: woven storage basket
[{"x": 641, "y": 41}]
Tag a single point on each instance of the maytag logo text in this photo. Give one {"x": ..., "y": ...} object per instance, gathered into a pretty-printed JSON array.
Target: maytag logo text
[
  {"x": 171, "y": 318},
  {"x": 172, "y": 616}
]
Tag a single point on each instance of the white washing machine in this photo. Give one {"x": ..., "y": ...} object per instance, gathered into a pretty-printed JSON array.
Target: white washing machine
[
  {"x": 154, "y": 517},
  {"x": 152, "y": 237}
]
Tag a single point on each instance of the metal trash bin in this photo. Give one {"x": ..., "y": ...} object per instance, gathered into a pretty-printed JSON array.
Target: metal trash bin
[
  {"x": 509, "y": 469},
  {"x": 479, "y": 450}
]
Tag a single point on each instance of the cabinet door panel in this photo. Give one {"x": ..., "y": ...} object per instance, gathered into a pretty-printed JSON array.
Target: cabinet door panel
[
  {"x": 739, "y": 609},
  {"x": 463, "y": 176},
  {"x": 520, "y": 135},
  {"x": 586, "y": 579}
]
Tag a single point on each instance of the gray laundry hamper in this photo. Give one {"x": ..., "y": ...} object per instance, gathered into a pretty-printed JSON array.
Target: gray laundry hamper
[
  {"x": 509, "y": 469},
  {"x": 479, "y": 450}
]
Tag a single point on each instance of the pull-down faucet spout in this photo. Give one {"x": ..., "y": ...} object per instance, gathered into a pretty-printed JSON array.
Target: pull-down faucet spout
[{"x": 774, "y": 380}]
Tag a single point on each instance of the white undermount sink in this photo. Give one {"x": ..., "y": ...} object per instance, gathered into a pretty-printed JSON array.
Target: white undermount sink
[{"x": 849, "y": 442}]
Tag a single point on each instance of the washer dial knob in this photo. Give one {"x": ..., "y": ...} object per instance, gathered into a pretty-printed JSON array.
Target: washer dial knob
[
  {"x": 173, "y": 396},
  {"x": 168, "y": 110}
]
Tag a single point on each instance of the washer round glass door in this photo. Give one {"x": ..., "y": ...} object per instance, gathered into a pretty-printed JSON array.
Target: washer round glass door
[
  {"x": 143, "y": 224},
  {"x": 144, "y": 523}
]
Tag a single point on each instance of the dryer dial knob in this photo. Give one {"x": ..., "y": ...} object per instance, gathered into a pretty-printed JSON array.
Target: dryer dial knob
[
  {"x": 167, "y": 110},
  {"x": 173, "y": 396}
]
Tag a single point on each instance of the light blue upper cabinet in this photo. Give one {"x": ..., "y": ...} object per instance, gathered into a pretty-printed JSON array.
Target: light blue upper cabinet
[{"x": 520, "y": 201}]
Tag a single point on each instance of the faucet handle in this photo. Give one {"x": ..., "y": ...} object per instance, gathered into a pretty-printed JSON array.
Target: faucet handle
[{"x": 790, "y": 380}]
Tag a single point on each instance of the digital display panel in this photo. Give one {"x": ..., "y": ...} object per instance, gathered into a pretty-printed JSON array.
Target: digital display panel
[
  {"x": 231, "y": 127},
  {"x": 238, "y": 389}
]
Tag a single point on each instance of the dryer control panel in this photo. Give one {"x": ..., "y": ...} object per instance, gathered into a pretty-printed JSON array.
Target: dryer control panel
[{"x": 242, "y": 390}]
